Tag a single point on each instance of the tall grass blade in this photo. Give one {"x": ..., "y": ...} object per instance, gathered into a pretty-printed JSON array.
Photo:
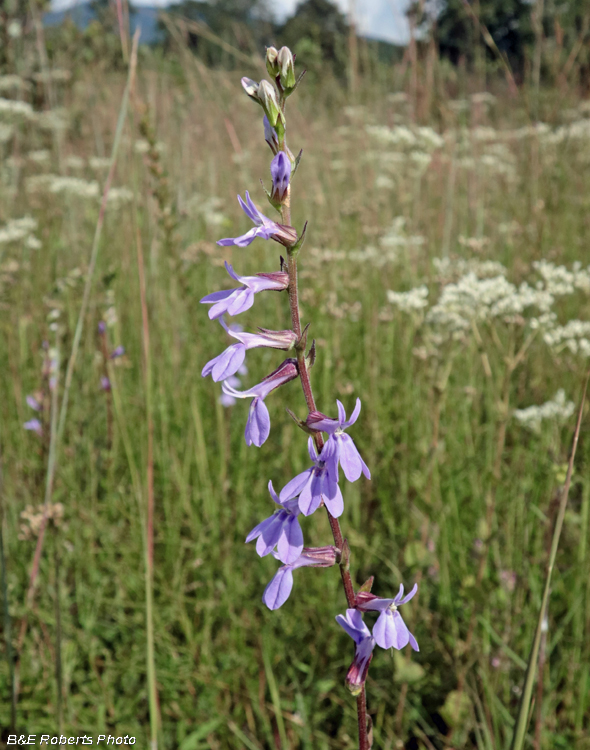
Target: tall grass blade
[{"x": 524, "y": 708}]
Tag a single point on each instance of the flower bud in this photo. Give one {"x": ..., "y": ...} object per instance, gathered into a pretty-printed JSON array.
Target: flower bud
[
  {"x": 357, "y": 673},
  {"x": 271, "y": 62},
  {"x": 319, "y": 557},
  {"x": 286, "y": 65},
  {"x": 280, "y": 170},
  {"x": 279, "y": 339},
  {"x": 267, "y": 96},
  {"x": 251, "y": 88},
  {"x": 270, "y": 135},
  {"x": 286, "y": 236}
]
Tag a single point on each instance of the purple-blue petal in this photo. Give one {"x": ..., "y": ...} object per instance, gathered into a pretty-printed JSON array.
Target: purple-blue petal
[
  {"x": 294, "y": 487},
  {"x": 262, "y": 526},
  {"x": 290, "y": 542},
  {"x": 258, "y": 424},
  {"x": 334, "y": 502},
  {"x": 277, "y": 591},
  {"x": 310, "y": 498},
  {"x": 270, "y": 535},
  {"x": 355, "y": 414},
  {"x": 242, "y": 300},
  {"x": 228, "y": 362},
  {"x": 250, "y": 209},
  {"x": 350, "y": 458}
]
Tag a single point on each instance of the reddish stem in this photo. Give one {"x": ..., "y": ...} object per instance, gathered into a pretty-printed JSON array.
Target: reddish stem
[{"x": 361, "y": 700}]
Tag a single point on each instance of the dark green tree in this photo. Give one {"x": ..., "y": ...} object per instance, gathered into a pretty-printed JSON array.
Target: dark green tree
[
  {"x": 508, "y": 22},
  {"x": 317, "y": 32},
  {"x": 245, "y": 24}
]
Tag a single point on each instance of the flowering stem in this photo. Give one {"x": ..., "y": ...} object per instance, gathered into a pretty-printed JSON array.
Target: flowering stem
[{"x": 293, "y": 291}]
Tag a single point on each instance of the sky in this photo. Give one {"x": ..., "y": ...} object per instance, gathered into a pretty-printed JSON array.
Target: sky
[{"x": 378, "y": 19}]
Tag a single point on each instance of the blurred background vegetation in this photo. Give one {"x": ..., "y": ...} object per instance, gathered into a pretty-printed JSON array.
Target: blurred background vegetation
[{"x": 465, "y": 151}]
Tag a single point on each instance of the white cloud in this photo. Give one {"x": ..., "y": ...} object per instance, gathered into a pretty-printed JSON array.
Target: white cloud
[{"x": 378, "y": 19}]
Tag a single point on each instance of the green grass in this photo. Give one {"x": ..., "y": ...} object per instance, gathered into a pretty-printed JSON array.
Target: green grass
[{"x": 231, "y": 674}]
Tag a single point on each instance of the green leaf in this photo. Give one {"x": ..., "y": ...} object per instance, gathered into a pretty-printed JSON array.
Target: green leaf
[{"x": 191, "y": 741}]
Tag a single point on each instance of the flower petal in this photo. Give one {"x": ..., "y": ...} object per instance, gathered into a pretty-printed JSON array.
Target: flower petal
[
  {"x": 242, "y": 300},
  {"x": 257, "y": 530},
  {"x": 309, "y": 499},
  {"x": 350, "y": 458},
  {"x": 294, "y": 487},
  {"x": 403, "y": 634},
  {"x": 270, "y": 535},
  {"x": 384, "y": 630},
  {"x": 277, "y": 591},
  {"x": 258, "y": 424},
  {"x": 409, "y": 596},
  {"x": 334, "y": 501},
  {"x": 355, "y": 414},
  {"x": 353, "y": 625},
  {"x": 291, "y": 540}
]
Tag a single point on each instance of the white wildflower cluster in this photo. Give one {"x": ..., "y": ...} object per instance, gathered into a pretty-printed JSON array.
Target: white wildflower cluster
[
  {"x": 559, "y": 281},
  {"x": 412, "y": 301},
  {"x": 12, "y": 83},
  {"x": 556, "y": 410},
  {"x": 98, "y": 163},
  {"x": 74, "y": 186},
  {"x": 59, "y": 184},
  {"x": 209, "y": 209},
  {"x": 56, "y": 120},
  {"x": 55, "y": 75},
  {"x": 396, "y": 237},
  {"x": 119, "y": 197},
  {"x": 454, "y": 268},
  {"x": 142, "y": 146},
  {"x": 341, "y": 310},
  {"x": 39, "y": 156},
  {"x": 6, "y": 132},
  {"x": 75, "y": 162},
  {"x": 399, "y": 146},
  {"x": 573, "y": 337},
  {"x": 13, "y": 111},
  {"x": 472, "y": 299},
  {"x": 370, "y": 255},
  {"x": 19, "y": 229}
]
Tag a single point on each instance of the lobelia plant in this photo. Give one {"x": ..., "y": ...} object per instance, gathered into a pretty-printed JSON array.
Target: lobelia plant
[{"x": 281, "y": 534}]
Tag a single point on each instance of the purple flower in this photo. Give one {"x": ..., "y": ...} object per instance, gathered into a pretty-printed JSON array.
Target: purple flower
[
  {"x": 34, "y": 426},
  {"x": 264, "y": 228},
  {"x": 229, "y": 361},
  {"x": 270, "y": 135},
  {"x": 258, "y": 424},
  {"x": 102, "y": 327},
  {"x": 105, "y": 383},
  {"x": 364, "y": 644},
  {"x": 236, "y": 301},
  {"x": 280, "y": 170},
  {"x": 277, "y": 591},
  {"x": 340, "y": 447},
  {"x": 390, "y": 629},
  {"x": 34, "y": 404},
  {"x": 313, "y": 486},
  {"x": 119, "y": 351},
  {"x": 281, "y": 530}
]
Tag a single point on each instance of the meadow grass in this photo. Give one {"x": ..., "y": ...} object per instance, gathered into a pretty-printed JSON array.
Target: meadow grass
[{"x": 463, "y": 498}]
